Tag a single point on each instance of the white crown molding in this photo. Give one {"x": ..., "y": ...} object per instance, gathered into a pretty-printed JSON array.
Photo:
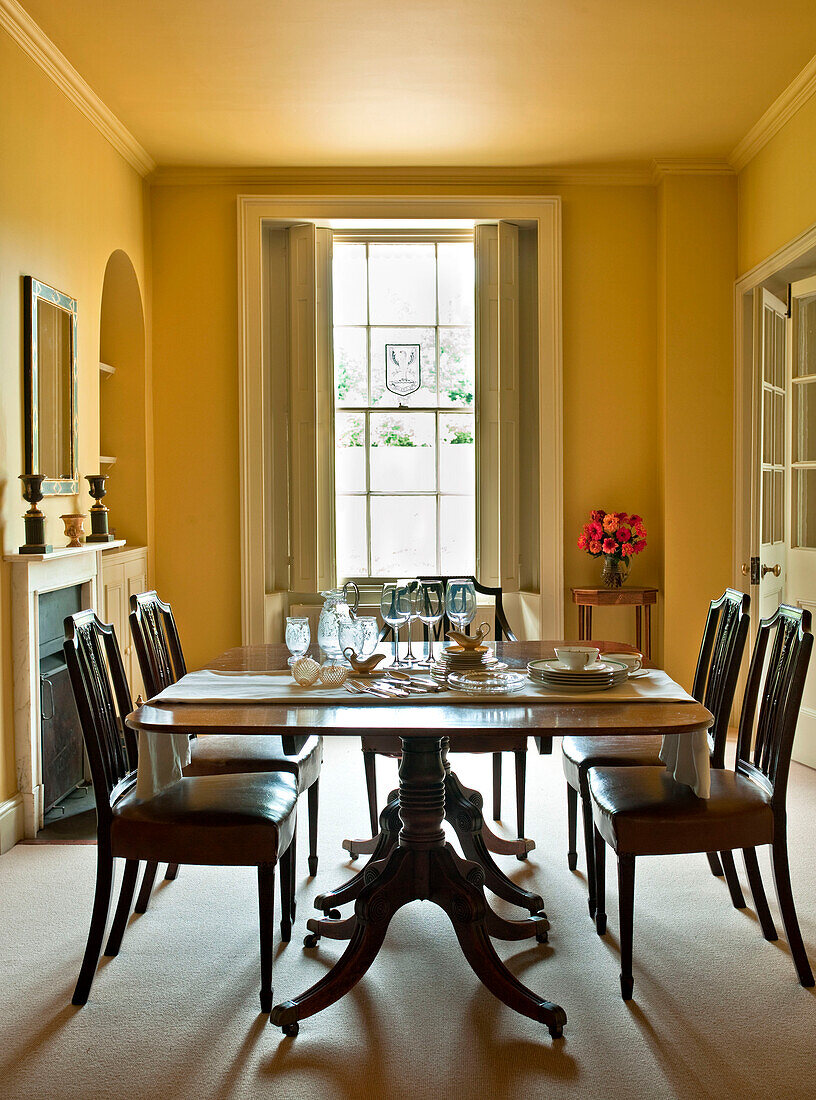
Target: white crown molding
[
  {"x": 540, "y": 178},
  {"x": 783, "y": 108},
  {"x": 42, "y": 51},
  {"x": 688, "y": 166}
]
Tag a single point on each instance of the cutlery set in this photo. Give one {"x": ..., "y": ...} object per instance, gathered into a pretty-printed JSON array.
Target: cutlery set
[{"x": 394, "y": 685}]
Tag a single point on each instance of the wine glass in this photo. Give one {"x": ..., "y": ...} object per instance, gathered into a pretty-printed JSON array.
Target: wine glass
[
  {"x": 413, "y": 592},
  {"x": 298, "y": 636},
  {"x": 430, "y": 609},
  {"x": 460, "y": 602},
  {"x": 395, "y": 605}
]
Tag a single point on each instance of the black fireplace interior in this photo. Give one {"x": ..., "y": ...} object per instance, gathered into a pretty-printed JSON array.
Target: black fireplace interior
[{"x": 63, "y": 756}]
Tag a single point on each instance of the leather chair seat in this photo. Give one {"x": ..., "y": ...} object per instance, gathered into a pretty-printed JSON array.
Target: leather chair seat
[
  {"x": 225, "y": 754},
  {"x": 579, "y": 754},
  {"x": 229, "y": 820},
  {"x": 642, "y": 811}
]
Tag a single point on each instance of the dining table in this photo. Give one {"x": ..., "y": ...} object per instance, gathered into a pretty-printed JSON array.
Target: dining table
[{"x": 411, "y": 858}]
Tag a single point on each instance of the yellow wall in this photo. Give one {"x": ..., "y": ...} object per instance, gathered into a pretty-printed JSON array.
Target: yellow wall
[
  {"x": 777, "y": 190},
  {"x": 696, "y": 272},
  {"x": 67, "y": 201}
]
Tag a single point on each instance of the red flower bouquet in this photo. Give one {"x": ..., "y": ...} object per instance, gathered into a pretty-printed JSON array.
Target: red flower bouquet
[{"x": 615, "y": 536}]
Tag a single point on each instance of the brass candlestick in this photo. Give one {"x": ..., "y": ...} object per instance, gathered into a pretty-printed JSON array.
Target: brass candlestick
[
  {"x": 34, "y": 519},
  {"x": 99, "y": 513}
]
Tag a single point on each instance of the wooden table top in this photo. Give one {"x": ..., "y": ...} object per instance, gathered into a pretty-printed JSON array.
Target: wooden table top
[
  {"x": 626, "y": 595},
  {"x": 445, "y": 720}
]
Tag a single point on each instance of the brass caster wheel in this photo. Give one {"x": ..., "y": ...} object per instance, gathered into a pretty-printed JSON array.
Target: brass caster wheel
[
  {"x": 556, "y": 1031},
  {"x": 291, "y": 1029},
  {"x": 352, "y": 852},
  {"x": 542, "y": 937},
  {"x": 311, "y": 940},
  {"x": 522, "y": 858},
  {"x": 333, "y": 914}
]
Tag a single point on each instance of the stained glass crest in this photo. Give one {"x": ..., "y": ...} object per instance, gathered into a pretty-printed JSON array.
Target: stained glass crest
[{"x": 402, "y": 368}]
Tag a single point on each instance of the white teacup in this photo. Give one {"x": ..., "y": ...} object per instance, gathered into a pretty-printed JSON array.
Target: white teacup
[
  {"x": 577, "y": 656},
  {"x": 633, "y": 661}
]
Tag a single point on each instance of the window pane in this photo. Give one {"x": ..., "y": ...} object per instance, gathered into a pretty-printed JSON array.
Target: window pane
[
  {"x": 426, "y": 394},
  {"x": 403, "y": 536},
  {"x": 352, "y": 537},
  {"x": 457, "y": 535},
  {"x": 457, "y": 282},
  {"x": 349, "y": 284},
  {"x": 349, "y": 437},
  {"x": 350, "y": 367},
  {"x": 779, "y": 429},
  {"x": 457, "y": 454},
  {"x": 804, "y": 507},
  {"x": 767, "y": 427},
  {"x": 402, "y": 284},
  {"x": 457, "y": 367},
  {"x": 403, "y": 452},
  {"x": 804, "y": 422},
  {"x": 806, "y": 336},
  {"x": 767, "y": 506},
  {"x": 768, "y": 346},
  {"x": 779, "y": 352},
  {"x": 779, "y": 505}
]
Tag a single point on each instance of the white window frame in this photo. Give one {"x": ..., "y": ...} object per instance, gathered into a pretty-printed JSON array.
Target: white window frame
[
  {"x": 540, "y": 614},
  {"x": 436, "y": 238}
]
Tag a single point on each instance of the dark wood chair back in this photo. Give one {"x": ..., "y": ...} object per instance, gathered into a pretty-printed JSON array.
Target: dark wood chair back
[
  {"x": 715, "y": 680},
  {"x": 501, "y": 627},
  {"x": 157, "y": 642},
  {"x": 770, "y": 710},
  {"x": 103, "y": 702}
]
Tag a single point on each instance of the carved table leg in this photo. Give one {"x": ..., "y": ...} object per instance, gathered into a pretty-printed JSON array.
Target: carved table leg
[
  {"x": 493, "y": 843},
  {"x": 421, "y": 867},
  {"x": 371, "y": 846},
  {"x": 466, "y": 819},
  {"x": 386, "y": 840}
]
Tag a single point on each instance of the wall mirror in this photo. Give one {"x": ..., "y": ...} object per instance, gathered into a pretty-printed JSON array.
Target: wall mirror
[{"x": 51, "y": 428}]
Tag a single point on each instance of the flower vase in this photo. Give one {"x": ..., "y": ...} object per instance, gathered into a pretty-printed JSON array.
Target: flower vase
[{"x": 615, "y": 570}]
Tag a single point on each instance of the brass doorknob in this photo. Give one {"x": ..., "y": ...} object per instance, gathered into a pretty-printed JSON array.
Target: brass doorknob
[
  {"x": 745, "y": 570},
  {"x": 776, "y": 569}
]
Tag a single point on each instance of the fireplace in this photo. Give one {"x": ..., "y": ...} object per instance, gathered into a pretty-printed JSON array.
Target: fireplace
[{"x": 63, "y": 754}]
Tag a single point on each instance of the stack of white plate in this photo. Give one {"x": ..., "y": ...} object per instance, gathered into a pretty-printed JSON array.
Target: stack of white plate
[
  {"x": 598, "y": 677},
  {"x": 456, "y": 659}
]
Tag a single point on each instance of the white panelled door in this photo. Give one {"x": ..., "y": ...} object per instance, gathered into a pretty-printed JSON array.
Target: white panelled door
[
  {"x": 772, "y": 449},
  {"x": 800, "y": 587}
]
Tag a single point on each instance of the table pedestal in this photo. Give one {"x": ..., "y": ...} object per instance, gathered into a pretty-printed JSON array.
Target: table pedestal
[{"x": 420, "y": 867}]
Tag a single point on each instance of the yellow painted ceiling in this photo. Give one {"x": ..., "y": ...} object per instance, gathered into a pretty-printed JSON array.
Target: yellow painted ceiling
[{"x": 433, "y": 82}]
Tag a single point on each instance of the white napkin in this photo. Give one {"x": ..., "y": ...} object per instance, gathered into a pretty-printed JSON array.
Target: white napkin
[
  {"x": 162, "y": 757},
  {"x": 687, "y": 758}
]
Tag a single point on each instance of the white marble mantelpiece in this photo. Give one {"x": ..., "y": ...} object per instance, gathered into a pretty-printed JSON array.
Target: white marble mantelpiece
[{"x": 32, "y": 574}]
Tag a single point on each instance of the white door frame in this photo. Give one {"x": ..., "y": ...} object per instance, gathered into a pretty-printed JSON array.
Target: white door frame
[
  {"x": 253, "y": 210},
  {"x": 801, "y": 250}
]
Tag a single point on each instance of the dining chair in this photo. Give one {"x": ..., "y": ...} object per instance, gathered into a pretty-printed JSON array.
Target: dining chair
[
  {"x": 643, "y": 811},
  {"x": 386, "y": 746},
  {"x": 223, "y": 820},
  {"x": 161, "y": 661},
  {"x": 715, "y": 681}
]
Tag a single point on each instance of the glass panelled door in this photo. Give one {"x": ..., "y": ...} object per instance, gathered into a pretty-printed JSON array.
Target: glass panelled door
[
  {"x": 773, "y": 426},
  {"x": 800, "y": 588}
]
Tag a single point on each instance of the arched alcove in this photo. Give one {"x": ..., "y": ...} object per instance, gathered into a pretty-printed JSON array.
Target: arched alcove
[{"x": 123, "y": 400}]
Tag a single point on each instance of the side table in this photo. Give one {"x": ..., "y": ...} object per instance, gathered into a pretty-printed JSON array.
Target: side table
[{"x": 625, "y": 596}]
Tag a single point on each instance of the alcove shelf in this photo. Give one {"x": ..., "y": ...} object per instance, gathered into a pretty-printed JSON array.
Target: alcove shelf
[
  {"x": 106, "y": 370},
  {"x": 106, "y": 460}
]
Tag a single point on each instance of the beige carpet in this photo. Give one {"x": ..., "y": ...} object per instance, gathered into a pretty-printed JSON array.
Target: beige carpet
[{"x": 717, "y": 1011}]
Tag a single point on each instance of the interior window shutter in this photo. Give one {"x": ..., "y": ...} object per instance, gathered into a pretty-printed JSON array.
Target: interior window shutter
[
  {"x": 311, "y": 412},
  {"x": 497, "y": 344}
]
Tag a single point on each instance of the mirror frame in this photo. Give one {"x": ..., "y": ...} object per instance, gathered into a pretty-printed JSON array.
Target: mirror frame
[{"x": 33, "y": 292}]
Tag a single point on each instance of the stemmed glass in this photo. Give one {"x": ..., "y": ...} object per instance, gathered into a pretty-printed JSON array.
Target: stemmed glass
[
  {"x": 413, "y": 593},
  {"x": 430, "y": 603},
  {"x": 395, "y": 605},
  {"x": 460, "y": 602},
  {"x": 298, "y": 636}
]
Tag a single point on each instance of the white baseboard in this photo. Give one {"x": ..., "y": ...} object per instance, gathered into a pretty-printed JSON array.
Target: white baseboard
[{"x": 11, "y": 822}]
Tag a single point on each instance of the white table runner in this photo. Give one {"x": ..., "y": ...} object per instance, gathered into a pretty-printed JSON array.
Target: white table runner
[{"x": 686, "y": 757}]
